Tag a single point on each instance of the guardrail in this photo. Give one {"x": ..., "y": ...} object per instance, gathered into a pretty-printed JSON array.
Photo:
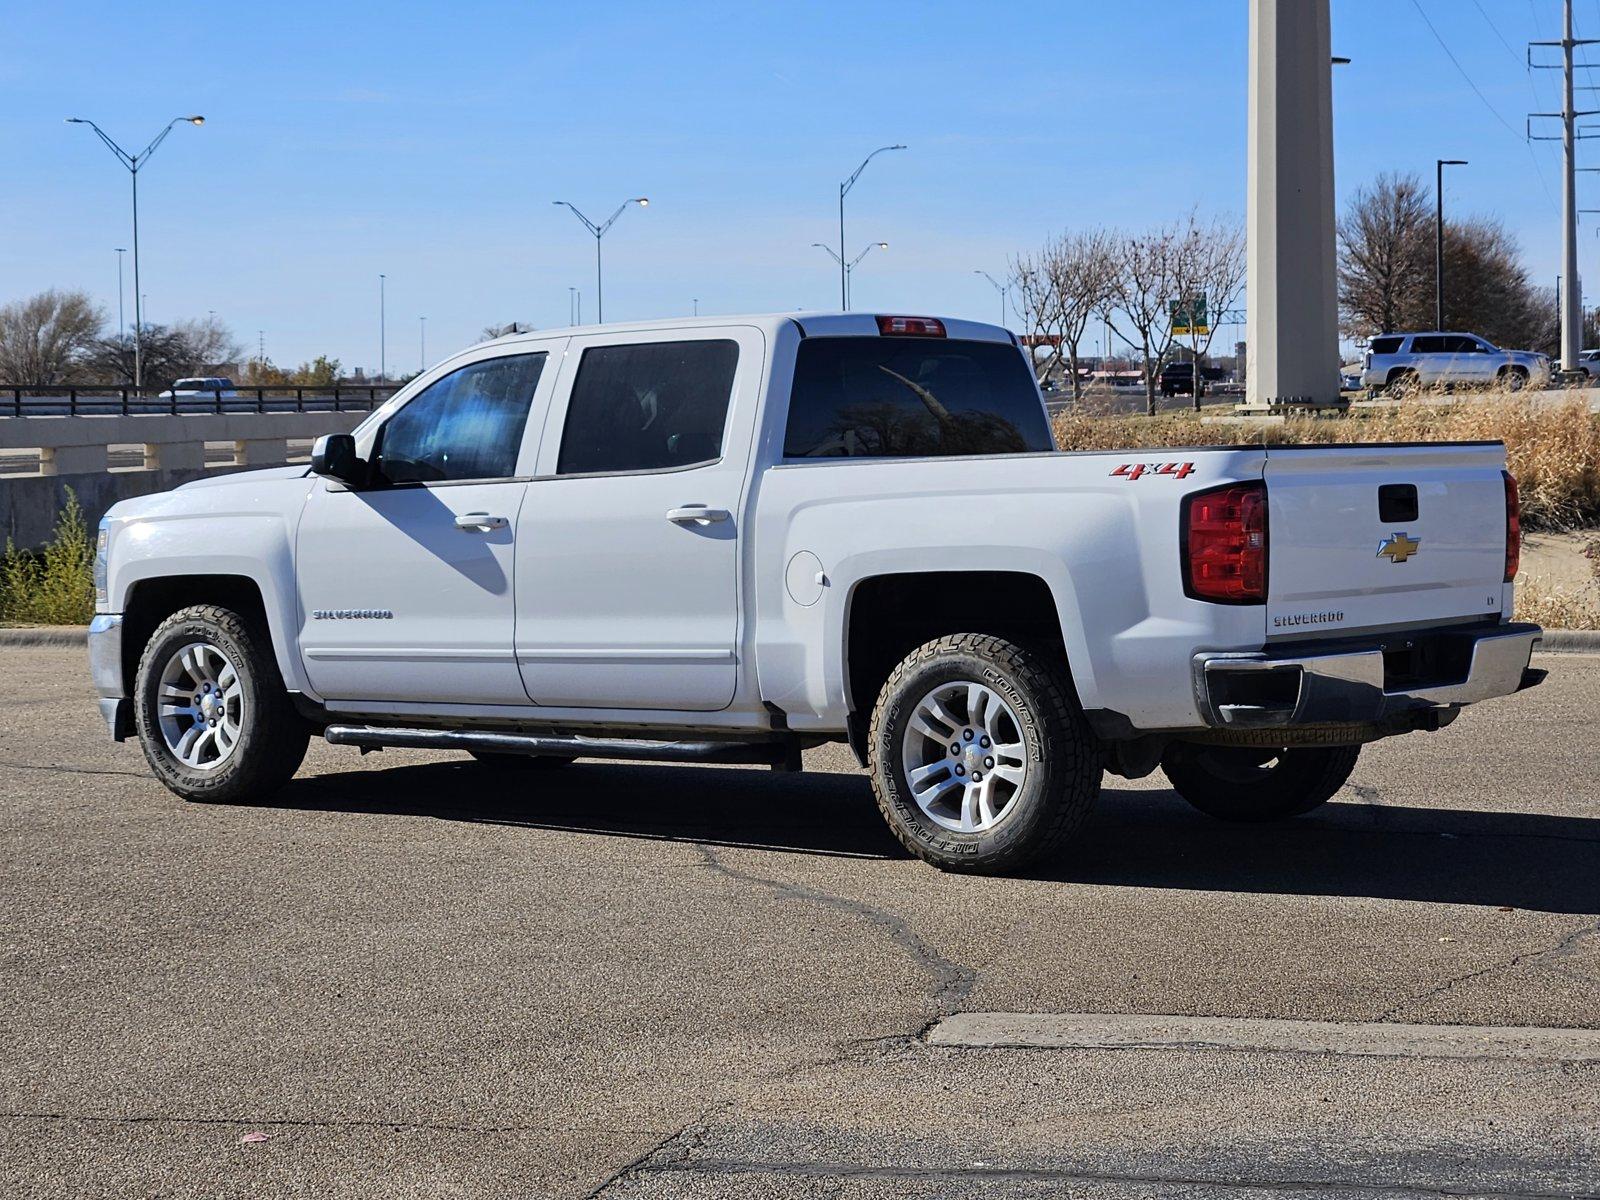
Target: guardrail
[{"x": 101, "y": 400}]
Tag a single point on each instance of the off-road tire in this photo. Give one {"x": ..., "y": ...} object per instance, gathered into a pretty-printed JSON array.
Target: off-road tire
[
  {"x": 519, "y": 762},
  {"x": 1513, "y": 380},
  {"x": 1064, "y": 760},
  {"x": 1217, "y": 781},
  {"x": 273, "y": 738}
]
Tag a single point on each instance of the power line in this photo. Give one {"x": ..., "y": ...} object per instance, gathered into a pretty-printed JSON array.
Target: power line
[
  {"x": 1521, "y": 137},
  {"x": 1421, "y": 12},
  {"x": 1497, "y": 32}
]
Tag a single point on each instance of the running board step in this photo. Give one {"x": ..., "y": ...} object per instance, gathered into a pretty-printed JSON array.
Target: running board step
[{"x": 780, "y": 755}]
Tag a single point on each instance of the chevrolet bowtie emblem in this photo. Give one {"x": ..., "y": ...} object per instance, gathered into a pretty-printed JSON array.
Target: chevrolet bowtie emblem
[{"x": 1399, "y": 547}]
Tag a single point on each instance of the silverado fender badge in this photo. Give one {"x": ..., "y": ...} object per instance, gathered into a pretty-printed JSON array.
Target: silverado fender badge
[
  {"x": 352, "y": 614},
  {"x": 1397, "y": 548}
]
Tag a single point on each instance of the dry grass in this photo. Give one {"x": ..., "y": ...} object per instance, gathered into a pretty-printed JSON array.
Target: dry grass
[
  {"x": 1552, "y": 449},
  {"x": 1556, "y": 607}
]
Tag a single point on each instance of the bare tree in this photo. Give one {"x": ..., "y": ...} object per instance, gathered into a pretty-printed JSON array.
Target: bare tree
[
  {"x": 1080, "y": 267},
  {"x": 1137, "y": 301},
  {"x": 1209, "y": 267},
  {"x": 43, "y": 336},
  {"x": 1034, "y": 305},
  {"x": 1386, "y": 257}
]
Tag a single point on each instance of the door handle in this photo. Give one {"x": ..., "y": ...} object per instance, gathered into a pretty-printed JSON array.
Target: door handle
[
  {"x": 480, "y": 522},
  {"x": 697, "y": 514}
]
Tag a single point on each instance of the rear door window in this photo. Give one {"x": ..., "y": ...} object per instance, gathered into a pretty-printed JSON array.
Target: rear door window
[
  {"x": 888, "y": 397},
  {"x": 1429, "y": 345},
  {"x": 1386, "y": 345},
  {"x": 652, "y": 406}
]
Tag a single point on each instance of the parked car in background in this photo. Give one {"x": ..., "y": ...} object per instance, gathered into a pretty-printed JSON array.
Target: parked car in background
[
  {"x": 1401, "y": 364},
  {"x": 201, "y": 387},
  {"x": 1589, "y": 362}
]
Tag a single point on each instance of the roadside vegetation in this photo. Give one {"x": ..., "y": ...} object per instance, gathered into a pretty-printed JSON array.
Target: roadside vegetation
[{"x": 55, "y": 585}]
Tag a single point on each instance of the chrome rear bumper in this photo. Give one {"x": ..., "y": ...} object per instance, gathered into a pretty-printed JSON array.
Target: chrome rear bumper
[{"x": 1364, "y": 683}]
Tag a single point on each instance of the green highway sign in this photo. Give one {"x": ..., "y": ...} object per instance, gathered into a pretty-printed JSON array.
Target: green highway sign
[{"x": 1189, "y": 316}]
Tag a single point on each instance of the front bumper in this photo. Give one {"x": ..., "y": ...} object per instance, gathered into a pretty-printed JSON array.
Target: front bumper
[
  {"x": 1390, "y": 681},
  {"x": 105, "y": 668}
]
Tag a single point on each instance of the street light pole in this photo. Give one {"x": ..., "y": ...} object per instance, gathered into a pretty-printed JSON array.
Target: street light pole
[
  {"x": 848, "y": 268},
  {"x": 422, "y": 344},
  {"x": 1438, "y": 236},
  {"x": 133, "y": 162},
  {"x": 999, "y": 287},
  {"x": 383, "y": 331},
  {"x": 844, "y": 190},
  {"x": 121, "y": 250},
  {"x": 599, "y": 232}
]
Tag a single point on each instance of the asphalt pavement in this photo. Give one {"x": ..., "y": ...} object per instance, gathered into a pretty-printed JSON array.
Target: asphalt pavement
[{"x": 408, "y": 975}]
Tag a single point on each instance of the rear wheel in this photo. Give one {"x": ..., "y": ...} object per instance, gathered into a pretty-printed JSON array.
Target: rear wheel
[
  {"x": 1403, "y": 385},
  {"x": 981, "y": 758},
  {"x": 1246, "y": 783}
]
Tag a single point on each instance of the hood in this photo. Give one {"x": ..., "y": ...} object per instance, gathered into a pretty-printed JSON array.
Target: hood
[{"x": 256, "y": 476}]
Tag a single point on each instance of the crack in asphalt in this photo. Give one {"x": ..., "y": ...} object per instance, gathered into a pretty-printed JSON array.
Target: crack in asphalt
[
  {"x": 300, "y": 1123},
  {"x": 952, "y": 981},
  {"x": 833, "y": 1170},
  {"x": 58, "y": 770},
  {"x": 1562, "y": 948}
]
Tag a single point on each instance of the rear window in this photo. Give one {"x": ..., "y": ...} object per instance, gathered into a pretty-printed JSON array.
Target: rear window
[
  {"x": 891, "y": 397},
  {"x": 1385, "y": 345}
]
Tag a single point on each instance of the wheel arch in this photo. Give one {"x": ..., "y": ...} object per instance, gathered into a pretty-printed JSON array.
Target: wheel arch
[
  {"x": 151, "y": 599},
  {"x": 889, "y": 615}
]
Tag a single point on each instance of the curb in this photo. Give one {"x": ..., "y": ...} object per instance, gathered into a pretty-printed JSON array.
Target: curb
[
  {"x": 1570, "y": 641},
  {"x": 45, "y": 635},
  {"x": 1554, "y": 641}
]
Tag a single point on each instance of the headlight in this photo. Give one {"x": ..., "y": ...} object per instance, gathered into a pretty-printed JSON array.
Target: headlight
[{"x": 102, "y": 543}]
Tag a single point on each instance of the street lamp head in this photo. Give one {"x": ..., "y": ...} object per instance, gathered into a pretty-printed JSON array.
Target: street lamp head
[
  {"x": 883, "y": 245},
  {"x": 76, "y": 121},
  {"x": 1453, "y": 162},
  {"x": 195, "y": 120},
  {"x": 642, "y": 201}
]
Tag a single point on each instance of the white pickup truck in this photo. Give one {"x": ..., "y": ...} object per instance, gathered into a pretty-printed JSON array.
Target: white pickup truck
[{"x": 729, "y": 540}]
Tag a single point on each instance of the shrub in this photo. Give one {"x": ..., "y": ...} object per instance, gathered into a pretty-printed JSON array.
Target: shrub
[{"x": 54, "y": 586}]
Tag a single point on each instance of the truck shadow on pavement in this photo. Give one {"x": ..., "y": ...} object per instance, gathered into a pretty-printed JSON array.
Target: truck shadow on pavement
[{"x": 1137, "y": 838}]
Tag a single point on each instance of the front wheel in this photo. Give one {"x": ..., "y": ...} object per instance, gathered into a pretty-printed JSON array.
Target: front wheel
[
  {"x": 1251, "y": 784},
  {"x": 981, "y": 758},
  {"x": 211, "y": 710},
  {"x": 1514, "y": 379}
]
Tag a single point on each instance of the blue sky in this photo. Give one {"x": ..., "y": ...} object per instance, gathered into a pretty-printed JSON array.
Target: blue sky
[{"x": 428, "y": 141}]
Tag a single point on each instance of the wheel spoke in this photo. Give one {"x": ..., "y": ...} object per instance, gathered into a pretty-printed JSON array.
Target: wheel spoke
[
  {"x": 977, "y": 701},
  {"x": 985, "y": 789},
  {"x": 1011, "y": 750},
  {"x": 969, "y": 808},
  {"x": 1012, "y": 775},
  {"x": 930, "y": 772}
]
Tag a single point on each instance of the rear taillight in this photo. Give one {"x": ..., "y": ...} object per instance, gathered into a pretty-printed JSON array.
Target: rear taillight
[
  {"x": 1513, "y": 527},
  {"x": 911, "y": 326},
  {"x": 1224, "y": 541}
]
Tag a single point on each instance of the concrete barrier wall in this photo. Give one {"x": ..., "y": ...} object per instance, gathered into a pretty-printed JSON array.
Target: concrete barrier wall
[{"x": 72, "y": 453}]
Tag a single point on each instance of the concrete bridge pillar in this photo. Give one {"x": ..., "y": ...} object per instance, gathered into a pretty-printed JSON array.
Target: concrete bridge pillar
[{"x": 1292, "y": 285}]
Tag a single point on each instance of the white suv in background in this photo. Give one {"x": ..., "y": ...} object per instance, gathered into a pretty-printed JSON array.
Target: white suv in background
[{"x": 1402, "y": 364}]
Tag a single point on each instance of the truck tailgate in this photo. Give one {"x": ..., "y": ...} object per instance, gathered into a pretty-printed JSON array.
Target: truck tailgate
[{"x": 1365, "y": 537}]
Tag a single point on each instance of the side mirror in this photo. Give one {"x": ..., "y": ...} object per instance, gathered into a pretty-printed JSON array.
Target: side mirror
[{"x": 333, "y": 456}]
